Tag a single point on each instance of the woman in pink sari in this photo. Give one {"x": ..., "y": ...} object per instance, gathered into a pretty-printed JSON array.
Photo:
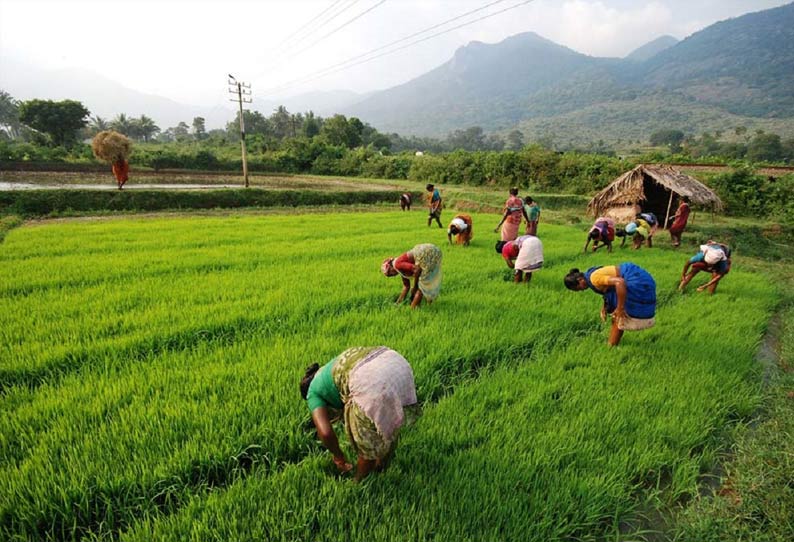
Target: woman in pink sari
[
  {"x": 511, "y": 219},
  {"x": 679, "y": 221}
]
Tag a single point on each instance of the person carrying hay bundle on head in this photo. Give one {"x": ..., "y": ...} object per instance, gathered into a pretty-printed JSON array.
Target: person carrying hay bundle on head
[
  {"x": 461, "y": 228},
  {"x": 423, "y": 264},
  {"x": 374, "y": 387},
  {"x": 115, "y": 148},
  {"x": 629, "y": 293}
]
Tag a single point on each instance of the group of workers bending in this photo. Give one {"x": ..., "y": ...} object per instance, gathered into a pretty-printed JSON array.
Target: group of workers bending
[{"x": 373, "y": 389}]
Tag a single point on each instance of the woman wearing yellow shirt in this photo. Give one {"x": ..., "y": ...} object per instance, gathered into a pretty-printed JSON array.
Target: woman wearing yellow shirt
[{"x": 629, "y": 293}]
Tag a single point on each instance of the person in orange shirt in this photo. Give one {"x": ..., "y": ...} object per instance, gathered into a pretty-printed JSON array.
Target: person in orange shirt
[{"x": 121, "y": 170}]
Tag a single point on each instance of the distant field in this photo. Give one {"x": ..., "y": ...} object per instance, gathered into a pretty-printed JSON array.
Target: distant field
[{"x": 149, "y": 383}]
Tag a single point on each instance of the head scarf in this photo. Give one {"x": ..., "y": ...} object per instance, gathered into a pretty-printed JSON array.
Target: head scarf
[
  {"x": 631, "y": 227},
  {"x": 387, "y": 264}
]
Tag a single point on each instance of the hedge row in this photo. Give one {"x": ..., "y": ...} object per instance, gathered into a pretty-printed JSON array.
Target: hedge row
[{"x": 29, "y": 203}]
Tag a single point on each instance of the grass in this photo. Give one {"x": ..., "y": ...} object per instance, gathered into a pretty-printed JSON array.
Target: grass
[{"x": 149, "y": 383}]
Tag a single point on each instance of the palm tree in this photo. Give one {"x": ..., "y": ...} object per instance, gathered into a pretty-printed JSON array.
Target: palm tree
[
  {"x": 121, "y": 124},
  {"x": 97, "y": 124},
  {"x": 146, "y": 127}
]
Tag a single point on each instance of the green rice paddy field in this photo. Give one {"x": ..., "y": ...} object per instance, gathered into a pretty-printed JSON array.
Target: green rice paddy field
[{"x": 149, "y": 375}]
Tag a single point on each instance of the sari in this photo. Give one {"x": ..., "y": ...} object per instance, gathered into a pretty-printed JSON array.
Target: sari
[
  {"x": 514, "y": 206},
  {"x": 530, "y": 254},
  {"x": 428, "y": 257},
  {"x": 464, "y": 225},
  {"x": 376, "y": 385}
]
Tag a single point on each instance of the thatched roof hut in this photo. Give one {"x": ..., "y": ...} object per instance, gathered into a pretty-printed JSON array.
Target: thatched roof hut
[{"x": 656, "y": 188}]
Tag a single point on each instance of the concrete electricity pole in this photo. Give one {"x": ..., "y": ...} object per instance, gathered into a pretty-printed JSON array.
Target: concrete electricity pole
[{"x": 243, "y": 92}]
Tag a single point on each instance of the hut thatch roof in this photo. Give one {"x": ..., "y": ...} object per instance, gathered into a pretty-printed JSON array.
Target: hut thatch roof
[{"x": 633, "y": 187}]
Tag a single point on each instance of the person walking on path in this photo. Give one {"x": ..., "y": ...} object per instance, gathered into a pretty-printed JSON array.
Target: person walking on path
[
  {"x": 461, "y": 228},
  {"x": 423, "y": 264},
  {"x": 524, "y": 255},
  {"x": 511, "y": 218},
  {"x": 678, "y": 221},
  {"x": 532, "y": 212},
  {"x": 374, "y": 388},
  {"x": 714, "y": 258},
  {"x": 435, "y": 205},
  {"x": 629, "y": 293}
]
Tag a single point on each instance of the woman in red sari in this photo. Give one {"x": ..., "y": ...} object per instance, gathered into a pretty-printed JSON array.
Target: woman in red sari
[
  {"x": 121, "y": 170},
  {"x": 679, "y": 221},
  {"x": 511, "y": 219}
]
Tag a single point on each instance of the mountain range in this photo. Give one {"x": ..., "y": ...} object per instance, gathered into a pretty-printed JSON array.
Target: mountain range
[
  {"x": 738, "y": 72},
  {"x": 735, "y": 72}
]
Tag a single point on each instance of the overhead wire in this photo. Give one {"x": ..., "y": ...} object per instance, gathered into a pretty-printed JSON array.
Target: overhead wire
[
  {"x": 346, "y": 64},
  {"x": 286, "y": 40}
]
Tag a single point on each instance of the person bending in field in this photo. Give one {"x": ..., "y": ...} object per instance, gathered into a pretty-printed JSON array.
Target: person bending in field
[
  {"x": 642, "y": 228},
  {"x": 435, "y": 205},
  {"x": 405, "y": 202},
  {"x": 423, "y": 264},
  {"x": 524, "y": 256},
  {"x": 461, "y": 228},
  {"x": 603, "y": 231},
  {"x": 629, "y": 293},
  {"x": 714, "y": 258},
  {"x": 511, "y": 218},
  {"x": 678, "y": 222},
  {"x": 532, "y": 212},
  {"x": 374, "y": 388},
  {"x": 121, "y": 171}
]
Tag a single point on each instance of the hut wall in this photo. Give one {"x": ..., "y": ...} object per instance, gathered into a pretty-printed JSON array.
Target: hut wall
[{"x": 623, "y": 214}]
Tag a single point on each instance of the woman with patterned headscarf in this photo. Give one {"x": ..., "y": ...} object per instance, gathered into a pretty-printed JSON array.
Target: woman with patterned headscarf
[
  {"x": 422, "y": 264},
  {"x": 374, "y": 388}
]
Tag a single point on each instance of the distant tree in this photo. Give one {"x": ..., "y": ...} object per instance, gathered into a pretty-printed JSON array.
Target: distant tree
[
  {"x": 9, "y": 115},
  {"x": 370, "y": 136},
  {"x": 60, "y": 120},
  {"x": 280, "y": 122},
  {"x": 470, "y": 139},
  {"x": 515, "y": 140},
  {"x": 255, "y": 123},
  {"x": 181, "y": 132},
  {"x": 494, "y": 142},
  {"x": 122, "y": 124},
  {"x": 337, "y": 130},
  {"x": 199, "y": 129},
  {"x": 765, "y": 147},
  {"x": 144, "y": 128},
  {"x": 311, "y": 125},
  {"x": 671, "y": 138},
  {"x": 788, "y": 150},
  {"x": 97, "y": 124}
]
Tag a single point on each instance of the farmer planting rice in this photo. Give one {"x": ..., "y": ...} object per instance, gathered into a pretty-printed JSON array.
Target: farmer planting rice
[
  {"x": 423, "y": 264},
  {"x": 524, "y": 255},
  {"x": 374, "y": 387},
  {"x": 114, "y": 148},
  {"x": 461, "y": 228},
  {"x": 532, "y": 212},
  {"x": 714, "y": 258},
  {"x": 511, "y": 218},
  {"x": 405, "y": 202},
  {"x": 603, "y": 231},
  {"x": 643, "y": 228},
  {"x": 435, "y": 205},
  {"x": 629, "y": 293},
  {"x": 678, "y": 221}
]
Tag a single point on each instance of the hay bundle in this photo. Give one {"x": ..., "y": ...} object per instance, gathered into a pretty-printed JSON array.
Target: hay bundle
[{"x": 111, "y": 146}]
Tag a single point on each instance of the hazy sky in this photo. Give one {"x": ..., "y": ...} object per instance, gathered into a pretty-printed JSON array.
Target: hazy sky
[{"x": 183, "y": 49}]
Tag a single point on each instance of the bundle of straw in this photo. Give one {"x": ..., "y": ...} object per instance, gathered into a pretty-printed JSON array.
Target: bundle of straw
[{"x": 111, "y": 146}]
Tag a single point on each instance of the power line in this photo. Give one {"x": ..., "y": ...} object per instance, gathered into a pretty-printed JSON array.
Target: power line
[
  {"x": 428, "y": 29},
  {"x": 288, "y": 55},
  {"x": 346, "y": 64},
  {"x": 304, "y": 26},
  {"x": 338, "y": 28}
]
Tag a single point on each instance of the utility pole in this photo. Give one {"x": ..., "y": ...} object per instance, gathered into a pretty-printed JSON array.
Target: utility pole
[{"x": 243, "y": 92}]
